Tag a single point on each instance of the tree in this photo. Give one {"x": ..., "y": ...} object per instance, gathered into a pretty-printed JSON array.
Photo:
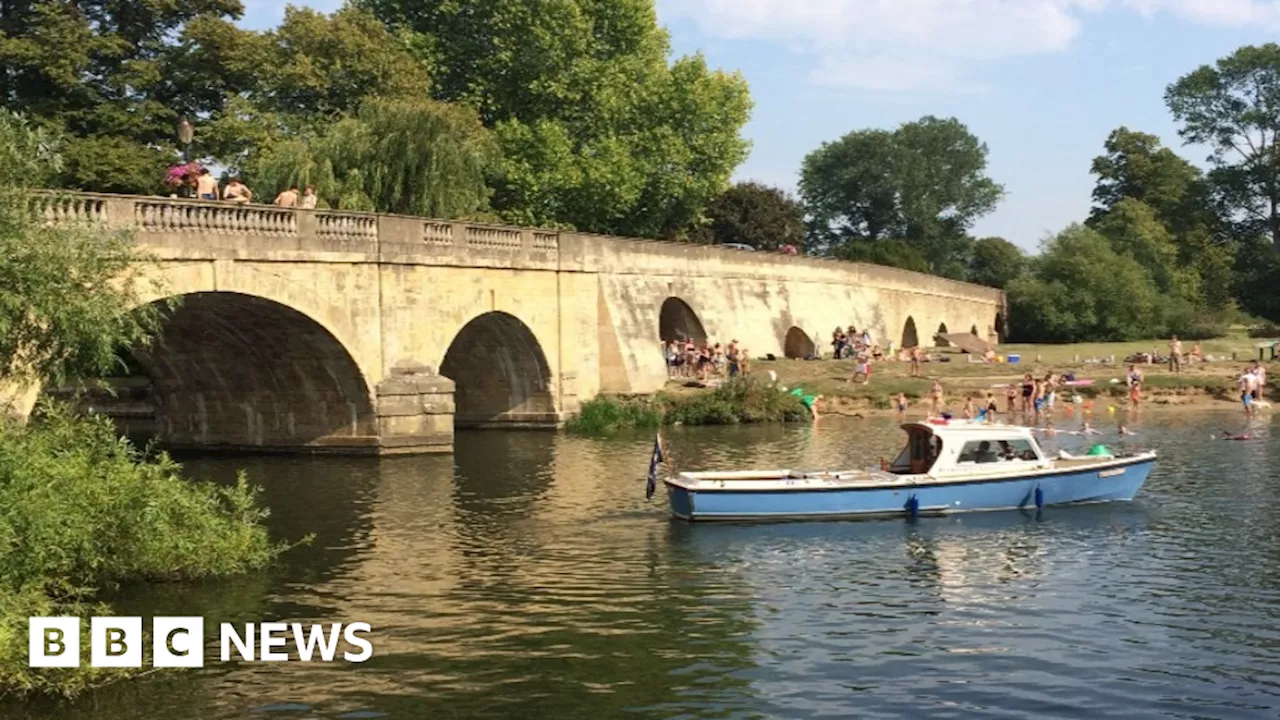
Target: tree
[
  {"x": 412, "y": 157},
  {"x": 99, "y": 71},
  {"x": 1082, "y": 289},
  {"x": 1136, "y": 232},
  {"x": 1137, "y": 166},
  {"x": 597, "y": 129},
  {"x": 923, "y": 183},
  {"x": 1233, "y": 107},
  {"x": 995, "y": 262},
  {"x": 67, "y": 294},
  {"x": 766, "y": 218}
]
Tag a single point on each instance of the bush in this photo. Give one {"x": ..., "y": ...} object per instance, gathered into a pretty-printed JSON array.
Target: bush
[
  {"x": 605, "y": 415},
  {"x": 739, "y": 400},
  {"x": 82, "y": 509}
]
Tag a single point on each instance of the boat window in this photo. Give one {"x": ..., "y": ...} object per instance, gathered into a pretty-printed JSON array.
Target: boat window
[{"x": 984, "y": 451}]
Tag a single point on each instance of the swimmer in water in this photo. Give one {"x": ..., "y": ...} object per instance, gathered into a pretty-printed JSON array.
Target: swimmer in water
[
  {"x": 1239, "y": 436},
  {"x": 1126, "y": 431},
  {"x": 1088, "y": 430}
]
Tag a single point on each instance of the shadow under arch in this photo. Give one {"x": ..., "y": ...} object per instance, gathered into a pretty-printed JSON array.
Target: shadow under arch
[
  {"x": 501, "y": 375},
  {"x": 998, "y": 331},
  {"x": 678, "y": 321},
  {"x": 974, "y": 331},
  {"x": 242, "y": 372},
  {"x": 910, "y": 338},
  {"x": 798, "y": 344},
  {"x": 940, "y": 337}
]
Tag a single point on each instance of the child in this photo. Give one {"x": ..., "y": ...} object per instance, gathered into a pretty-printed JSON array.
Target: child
[
  {"x": 1011, "y": 397},
  {"x": 902, "y": 406},
  {"x": 935, "y": 398},
  {"x": 968, "y": 408},
  {"x": 991, "y": 405}
]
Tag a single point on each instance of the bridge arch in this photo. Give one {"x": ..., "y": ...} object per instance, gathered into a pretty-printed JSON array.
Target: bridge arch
[
  {"x": 798, "y": 344},
  {"x": 678, "y": 321},
  {"x": 501, "y": 374},
  {"x": 942, "y": 341},
  {"x": 910, "y": 338},
  {"x": 974, "y": 331},
  {"x": 239, "y": 370}
]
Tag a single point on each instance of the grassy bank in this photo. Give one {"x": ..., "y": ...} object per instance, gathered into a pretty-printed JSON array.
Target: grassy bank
[
  {"x": 741, "y": 400},
  {"x": 1201, "y": 382},
  {"x": 82, "y": 511}
]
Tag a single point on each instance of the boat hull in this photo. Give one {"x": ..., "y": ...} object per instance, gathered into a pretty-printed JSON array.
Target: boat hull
[{"x": 1119, "y": 482}]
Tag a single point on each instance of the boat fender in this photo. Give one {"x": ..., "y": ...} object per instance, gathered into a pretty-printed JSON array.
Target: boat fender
[
  {"x": 1039, "y": 497},
  {"x": 913, "y": 506}
]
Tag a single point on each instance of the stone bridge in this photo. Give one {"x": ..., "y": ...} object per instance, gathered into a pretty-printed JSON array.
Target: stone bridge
[{"x": 362, "y": 332}]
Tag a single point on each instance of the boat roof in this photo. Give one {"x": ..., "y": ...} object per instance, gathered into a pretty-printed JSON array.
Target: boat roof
[{"x": 969, "y": 430}]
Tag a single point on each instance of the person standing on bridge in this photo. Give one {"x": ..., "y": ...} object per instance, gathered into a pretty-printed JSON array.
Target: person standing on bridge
[
  {"x": 309, "y": 198},
  {"x": 288, "y": 198},
  {"x": 237, "y": 192}
]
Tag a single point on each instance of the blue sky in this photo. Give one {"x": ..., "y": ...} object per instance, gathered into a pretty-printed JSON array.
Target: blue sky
[{"x": 1042, "y": 82}]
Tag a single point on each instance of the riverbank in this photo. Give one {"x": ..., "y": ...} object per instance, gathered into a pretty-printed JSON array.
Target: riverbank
[
  {"x": 83, "y": 511},
  {"x": 732, "y": 402}
]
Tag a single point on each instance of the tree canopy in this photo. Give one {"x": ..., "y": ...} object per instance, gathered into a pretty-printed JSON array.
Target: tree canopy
[
  {"x": 924, "y": 184},
  {"x": 597, "y": 129},
  {"x": 766, "y": 218},
  {"x": 1233, "y": 106},
  {"x": 995, "y": 262}
]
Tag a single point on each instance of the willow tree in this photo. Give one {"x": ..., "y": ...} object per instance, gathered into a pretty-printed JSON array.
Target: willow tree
[{"x": 408, "y": 156}]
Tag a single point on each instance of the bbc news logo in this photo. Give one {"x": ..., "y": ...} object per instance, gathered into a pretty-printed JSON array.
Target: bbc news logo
[{"x": 178, "y": 642}]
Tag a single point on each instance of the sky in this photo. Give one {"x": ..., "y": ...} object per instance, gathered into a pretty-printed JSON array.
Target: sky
[{"x": 1041, "y": 82}]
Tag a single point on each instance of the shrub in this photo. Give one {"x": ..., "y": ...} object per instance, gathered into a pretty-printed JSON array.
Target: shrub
[
  {"x": 82, "y": 509},
  {"x": 605, "y": 415}
]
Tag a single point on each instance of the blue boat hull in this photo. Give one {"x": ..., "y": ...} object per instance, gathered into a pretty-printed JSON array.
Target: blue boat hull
[{"x": 1063, "y": 487}]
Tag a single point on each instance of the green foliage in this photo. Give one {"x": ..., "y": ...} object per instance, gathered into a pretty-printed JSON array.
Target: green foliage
[
  {"x": 604, "y": 415},
  {"x": 1137, "y": 167},
  {"x": 1135, "y": 231},
  {"x": 890, "y": 252},
  {"x": 82, "y": 510},
  {"x": 1082, "y": 289},
  {"x": 413, "y": 157},
  {"x": 924, "y": 183},
  {"x": 107, "y": 73},
  {"x": 1233, "y": 107},
  {"x": 67, "y": 294},
  {"x": 763, "y": 217},
  {"x": 737, "y": 400},
  {"x": 597, "y": 129},
  {"x": 995, "y": 262}
]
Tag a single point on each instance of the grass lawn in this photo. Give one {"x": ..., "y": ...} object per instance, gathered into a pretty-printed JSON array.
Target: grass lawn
[{"x": 963, "y": 378}]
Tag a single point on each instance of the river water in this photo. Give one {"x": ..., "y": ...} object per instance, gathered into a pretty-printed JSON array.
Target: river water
[{"x": 526, "y": 577}]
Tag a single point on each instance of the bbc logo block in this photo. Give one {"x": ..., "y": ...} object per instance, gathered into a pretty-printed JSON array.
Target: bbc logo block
[{"x": 178, "y": 642}]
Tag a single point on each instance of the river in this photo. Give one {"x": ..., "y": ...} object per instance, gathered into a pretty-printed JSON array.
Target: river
[{"x": 527, "y": 577}]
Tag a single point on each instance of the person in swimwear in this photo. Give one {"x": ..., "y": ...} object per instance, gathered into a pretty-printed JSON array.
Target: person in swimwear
[
  {"x": 1134, "y": 380},
  {"x": 902, "y": 406},
  {"x": 1011, "y": 397},
  {"x": 1028, "y": 388},
  {"x": 935, "y": 398}
]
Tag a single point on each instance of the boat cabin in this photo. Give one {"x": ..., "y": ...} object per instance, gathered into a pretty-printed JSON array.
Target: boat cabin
[{"x": 945, "y": 447}]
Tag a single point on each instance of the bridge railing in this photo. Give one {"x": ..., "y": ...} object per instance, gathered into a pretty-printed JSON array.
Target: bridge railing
[
  {"x": 179, "y": 216},
  {"x": 167, "y": 220}
]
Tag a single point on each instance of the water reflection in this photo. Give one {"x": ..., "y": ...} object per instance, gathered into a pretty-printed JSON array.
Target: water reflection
[{"x": 526, "y": 576}]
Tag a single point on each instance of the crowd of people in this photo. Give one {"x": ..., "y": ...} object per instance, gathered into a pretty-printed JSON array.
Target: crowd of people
[
  {"x": 687, "y": 359},
  {"x": 197, "y": 183}
]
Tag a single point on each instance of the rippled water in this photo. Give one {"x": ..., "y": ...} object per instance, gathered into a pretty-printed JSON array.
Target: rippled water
[{"x": 527, "y": 577}]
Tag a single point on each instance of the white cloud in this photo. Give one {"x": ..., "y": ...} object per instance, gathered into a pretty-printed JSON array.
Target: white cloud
[{"x": 914, "y": 44}]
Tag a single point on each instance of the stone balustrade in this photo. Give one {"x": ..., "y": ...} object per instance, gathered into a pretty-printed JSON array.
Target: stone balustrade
[{"x": 175, "y": 218}]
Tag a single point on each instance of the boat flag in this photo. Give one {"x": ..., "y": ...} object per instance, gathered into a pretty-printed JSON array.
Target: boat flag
[{"x": 654, "y": 460}]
